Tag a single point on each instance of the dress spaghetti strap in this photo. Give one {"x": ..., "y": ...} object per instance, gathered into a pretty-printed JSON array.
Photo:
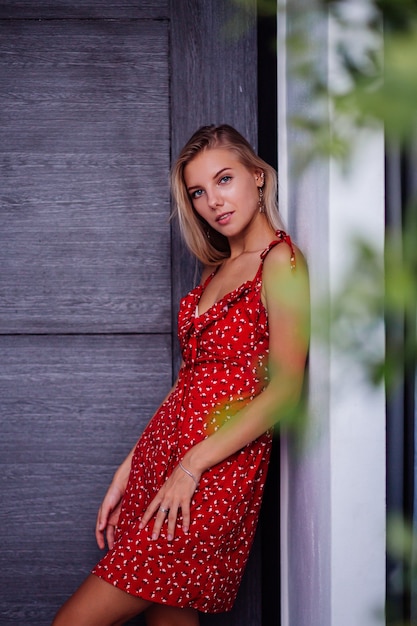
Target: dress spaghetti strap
[{"x": 281, "y": 236}]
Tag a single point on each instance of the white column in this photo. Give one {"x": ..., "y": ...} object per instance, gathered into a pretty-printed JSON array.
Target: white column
[
  {"x": 333, "y": 487},
  {"x": 357, "y": 409}
]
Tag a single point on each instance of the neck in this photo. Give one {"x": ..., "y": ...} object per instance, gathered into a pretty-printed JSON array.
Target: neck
[{"x": 255, "y": 239}]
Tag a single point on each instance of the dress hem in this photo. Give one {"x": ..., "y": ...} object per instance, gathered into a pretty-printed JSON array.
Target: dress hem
[{"x": 144, "y": 596}]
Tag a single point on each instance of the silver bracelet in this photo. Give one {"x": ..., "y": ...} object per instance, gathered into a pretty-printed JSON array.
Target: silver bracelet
[{"x": 190, "y": 474}]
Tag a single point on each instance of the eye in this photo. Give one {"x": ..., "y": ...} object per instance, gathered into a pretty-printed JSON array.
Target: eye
[
  {"x": 197, "y": 194},
  {"x": 225, "y": 179}
]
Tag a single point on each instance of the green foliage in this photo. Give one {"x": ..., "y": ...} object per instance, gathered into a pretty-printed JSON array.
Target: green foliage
[
  {"x": 401, "y": 545},
  {"x": 357, "y": 310},
  {"x": 378, "y": 289},
  {"x": 387, "y": 95},
  {"x": 375, "y": 52},
  {"x": 376, "y": 82}
]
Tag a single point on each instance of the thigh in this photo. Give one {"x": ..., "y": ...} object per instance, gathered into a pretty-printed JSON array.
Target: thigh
[
  {"x": 97, "y": 603},
  {"x": 160, "y": 615}
]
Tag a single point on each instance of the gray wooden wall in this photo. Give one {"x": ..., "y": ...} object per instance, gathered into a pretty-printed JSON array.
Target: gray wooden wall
[{"x": 96, "y": 99}]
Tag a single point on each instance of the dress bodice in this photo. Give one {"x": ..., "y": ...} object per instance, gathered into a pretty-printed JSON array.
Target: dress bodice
[{"x": 235, "y": 328}]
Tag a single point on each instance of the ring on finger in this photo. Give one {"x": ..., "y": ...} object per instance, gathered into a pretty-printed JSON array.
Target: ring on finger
[{"x": 161, "y": 508}]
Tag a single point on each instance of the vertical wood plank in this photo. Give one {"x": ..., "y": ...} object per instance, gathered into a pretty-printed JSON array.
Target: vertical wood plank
[{"x": 214, "y": 81}]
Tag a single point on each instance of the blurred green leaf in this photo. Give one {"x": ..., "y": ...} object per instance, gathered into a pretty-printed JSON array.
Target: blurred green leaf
[{"x": 400, "y": 538}]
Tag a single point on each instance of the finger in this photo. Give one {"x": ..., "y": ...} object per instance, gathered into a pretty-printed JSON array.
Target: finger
[
  {"x": 149, "y": 512},
  {"x": 161, "y": 516},
  {"x": 110, "y": 536},
  {"x": 172, "y": 523},
  {"x": 100, "y": 539},
  {"x": 186, "y": 517},
  {"x": 99, "y": 530}
]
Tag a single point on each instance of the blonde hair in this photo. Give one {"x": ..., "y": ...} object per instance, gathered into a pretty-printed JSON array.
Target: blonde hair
[{"x": 209, "y": 246}]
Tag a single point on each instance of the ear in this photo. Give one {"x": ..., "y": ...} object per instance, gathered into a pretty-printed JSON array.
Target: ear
[{"x": 259, "y": 178}]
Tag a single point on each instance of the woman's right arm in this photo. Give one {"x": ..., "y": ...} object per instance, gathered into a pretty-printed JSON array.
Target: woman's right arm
[{"x": 109, "y": 511}]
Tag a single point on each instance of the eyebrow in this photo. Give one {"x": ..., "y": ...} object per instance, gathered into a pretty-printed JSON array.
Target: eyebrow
[{"x": 224, "y": 169}]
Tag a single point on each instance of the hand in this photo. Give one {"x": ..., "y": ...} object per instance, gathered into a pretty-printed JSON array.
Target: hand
[
  {"x": 176, "y": 494},
  {"x": 109, "y": 511},
  {"x": 108, "y": 516}
]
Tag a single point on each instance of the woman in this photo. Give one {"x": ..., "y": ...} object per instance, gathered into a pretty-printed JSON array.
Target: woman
[{"x": 180, "y": 514}]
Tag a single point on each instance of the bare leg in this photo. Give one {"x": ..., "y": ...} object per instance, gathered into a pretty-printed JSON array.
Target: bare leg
[
  {"x": 160, "y": 615},
  {"x": 97, "y": 603}
]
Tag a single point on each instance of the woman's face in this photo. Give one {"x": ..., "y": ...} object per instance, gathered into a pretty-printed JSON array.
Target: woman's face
[{"x": 223, "y": 191}]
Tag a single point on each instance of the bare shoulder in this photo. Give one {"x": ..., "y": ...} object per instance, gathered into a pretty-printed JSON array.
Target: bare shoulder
[
  {"x": 279, "y": 260},
  {"x": 284, "y": 278}
]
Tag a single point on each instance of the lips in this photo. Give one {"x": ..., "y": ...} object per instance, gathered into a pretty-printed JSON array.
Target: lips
[{"x": 224, "y": 217}]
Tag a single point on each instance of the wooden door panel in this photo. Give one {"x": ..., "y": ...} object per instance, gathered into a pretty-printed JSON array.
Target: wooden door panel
[
  {"x": 84, "y": 397},
  {"x": 85, "y": 234},
  {"x": 72, "y": 408},
  {"x": 214, "y": 81}
]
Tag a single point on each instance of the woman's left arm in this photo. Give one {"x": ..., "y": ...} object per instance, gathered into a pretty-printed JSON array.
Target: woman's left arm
[
  {"x": 286, "y": 297},
  {"x": 285, "y": 293}
]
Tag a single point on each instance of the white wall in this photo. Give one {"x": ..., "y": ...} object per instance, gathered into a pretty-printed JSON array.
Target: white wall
[
  {"x": 357, "y": 410},
  {"x": 333, "y": 488}
]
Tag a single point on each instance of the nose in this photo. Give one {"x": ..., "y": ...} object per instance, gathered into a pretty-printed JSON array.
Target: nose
[{"x": 214, "y": 198}]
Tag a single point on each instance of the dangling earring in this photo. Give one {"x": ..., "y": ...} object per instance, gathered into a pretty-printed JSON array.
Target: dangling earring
[{"x": 261, "y": 203}]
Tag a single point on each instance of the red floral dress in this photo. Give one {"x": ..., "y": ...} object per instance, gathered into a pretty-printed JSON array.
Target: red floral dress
[{"x": 225, "y": 353}]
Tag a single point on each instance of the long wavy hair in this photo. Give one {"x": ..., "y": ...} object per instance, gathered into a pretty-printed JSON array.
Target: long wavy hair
[{"x": 209, "y": 246}]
